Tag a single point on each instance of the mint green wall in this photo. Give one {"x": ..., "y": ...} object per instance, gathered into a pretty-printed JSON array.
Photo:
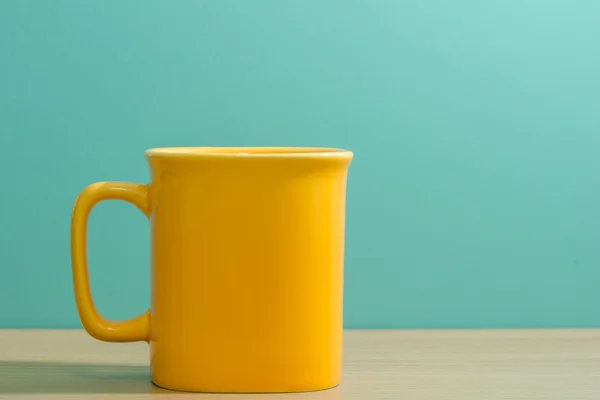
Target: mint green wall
[{"x": 474, "y": 197}]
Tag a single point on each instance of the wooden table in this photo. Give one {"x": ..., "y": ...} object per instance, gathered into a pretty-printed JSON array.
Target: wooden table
[{"x": 411, "y": 365}]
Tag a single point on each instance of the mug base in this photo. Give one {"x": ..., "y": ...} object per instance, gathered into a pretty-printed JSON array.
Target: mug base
[{"x": 241, "y": 391}]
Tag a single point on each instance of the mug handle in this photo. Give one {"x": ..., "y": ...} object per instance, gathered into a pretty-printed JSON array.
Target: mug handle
[{"x": 135, "y": 329}]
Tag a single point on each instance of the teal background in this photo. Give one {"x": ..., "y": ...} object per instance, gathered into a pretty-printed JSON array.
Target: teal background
[{"x": 474, "y": 196}]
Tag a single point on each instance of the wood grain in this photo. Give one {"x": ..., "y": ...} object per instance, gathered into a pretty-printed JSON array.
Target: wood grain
[{"x": 415, "y": 365}]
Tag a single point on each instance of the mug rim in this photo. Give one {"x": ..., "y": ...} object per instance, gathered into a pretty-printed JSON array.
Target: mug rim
[{"x": 248, "y": 152}]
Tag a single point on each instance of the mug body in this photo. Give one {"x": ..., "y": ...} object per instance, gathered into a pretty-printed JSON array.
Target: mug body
[{"x": 247, "y": 268}]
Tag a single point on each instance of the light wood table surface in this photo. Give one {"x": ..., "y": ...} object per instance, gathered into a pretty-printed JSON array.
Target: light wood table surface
[{"x": 411, "y": 365}]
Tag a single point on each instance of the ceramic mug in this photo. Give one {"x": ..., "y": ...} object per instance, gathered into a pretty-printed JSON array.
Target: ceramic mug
[{"x": 247, "y": 250}]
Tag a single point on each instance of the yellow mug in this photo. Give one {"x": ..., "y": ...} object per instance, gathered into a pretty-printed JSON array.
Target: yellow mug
[{"x": 247, "y": 252}]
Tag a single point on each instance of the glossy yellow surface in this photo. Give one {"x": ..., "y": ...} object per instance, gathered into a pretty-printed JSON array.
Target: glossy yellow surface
[{"x": 247, "y": 267}]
